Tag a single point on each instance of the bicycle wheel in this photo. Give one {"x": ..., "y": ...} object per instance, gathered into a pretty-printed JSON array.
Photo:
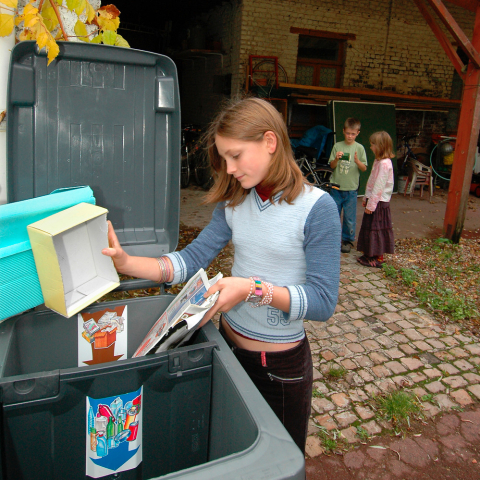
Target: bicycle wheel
[
  {"x": 184, "y": 168},
  {"x": 203, "y": 171},
  {"x": 263, "y": 75}
]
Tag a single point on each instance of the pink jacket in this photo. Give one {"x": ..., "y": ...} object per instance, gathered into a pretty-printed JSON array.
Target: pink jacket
[{"x": 380, "y": 183}]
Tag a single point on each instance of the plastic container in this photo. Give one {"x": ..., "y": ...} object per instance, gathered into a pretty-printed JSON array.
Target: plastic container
[
  {"x": 202, "y": 416},
  {"x": 110, "y": 118}
]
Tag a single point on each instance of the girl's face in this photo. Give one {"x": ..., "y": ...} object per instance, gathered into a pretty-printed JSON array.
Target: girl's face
[
  {"x": 248, "y": 162},
  {"x": 373, "y": 149}
]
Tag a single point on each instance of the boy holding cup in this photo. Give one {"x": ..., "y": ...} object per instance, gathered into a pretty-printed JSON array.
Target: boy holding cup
[{"x": 347, "y": 159}]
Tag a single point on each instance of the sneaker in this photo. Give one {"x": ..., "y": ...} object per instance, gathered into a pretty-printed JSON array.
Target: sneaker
[{"x": 346, "y": 246}]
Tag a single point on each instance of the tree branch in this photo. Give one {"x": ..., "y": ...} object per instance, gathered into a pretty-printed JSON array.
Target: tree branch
[{"x": 57, "y": 13}]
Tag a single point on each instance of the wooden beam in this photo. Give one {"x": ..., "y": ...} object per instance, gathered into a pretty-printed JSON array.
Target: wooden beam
[
  {"x": 465, "y": 147},
  {"x": 442, "y": 38},
  {"x": 456, "y": 31},
  {"x": 322, "y": 33},
  {"x": 375, "y": 94},
  {"x": 467, "y": 4}
]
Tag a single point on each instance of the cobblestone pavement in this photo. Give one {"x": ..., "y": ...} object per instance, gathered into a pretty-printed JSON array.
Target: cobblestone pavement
[{"x": 384, "y": 342}]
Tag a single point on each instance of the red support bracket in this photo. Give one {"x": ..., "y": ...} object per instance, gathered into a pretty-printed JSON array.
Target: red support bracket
[
  {"x": 442, "y": 38},
  {"x": 456, "y": 31}
]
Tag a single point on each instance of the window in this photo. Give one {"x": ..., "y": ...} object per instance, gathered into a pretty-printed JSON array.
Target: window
[{"x": 319, "y": 61}]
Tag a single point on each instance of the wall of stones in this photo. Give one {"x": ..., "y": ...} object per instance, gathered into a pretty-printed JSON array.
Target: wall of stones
[{"x": 394, "y": 48}]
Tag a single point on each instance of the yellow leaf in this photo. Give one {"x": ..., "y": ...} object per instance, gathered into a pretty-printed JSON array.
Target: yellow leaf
[
  {"x": 19, "y": 19},
  {"x": 81, "y": 7},
  {"x": 81, "y": 31},
  {"x": 109, "y": 11},
  {"x": 109, "y": 37},
  {"x": 25, "y": 35},
  {"x": 108, "y": 24},
  {"x": 97, "y": 39},
  {"x": 73, "y": 4},
  {"x": 9, "y": 3},
  {"x": 90, "y": 11},
  {"x": 29, "y": 9},
  {"x": 30, "y": 20},
  {"x": 42, "y": 39},
  {"x": 49, "y": 16},
  {"x": 52, "y": 50},
  {"x": 6, "y": 24},
  {"x": 121, "y": 42}
]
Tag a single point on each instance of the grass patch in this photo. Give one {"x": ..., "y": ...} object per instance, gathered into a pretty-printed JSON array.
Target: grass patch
[
  {"x": 335, "y": 372},
  {"x": 333, "y": 441},
  {"x": 317, "y": 393},
  {"x": 441, "y": 276},
  {"x": 362, "y": 434},
  {"x": 398, "y": 407}
]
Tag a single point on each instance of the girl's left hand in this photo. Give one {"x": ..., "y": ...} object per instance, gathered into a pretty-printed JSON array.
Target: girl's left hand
[
  {"x": 233, "y": 290},
  {"x": 368, "y": 212}
]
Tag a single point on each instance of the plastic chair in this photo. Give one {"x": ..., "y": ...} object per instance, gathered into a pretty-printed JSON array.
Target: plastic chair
[{"x": 419, "y": 175}]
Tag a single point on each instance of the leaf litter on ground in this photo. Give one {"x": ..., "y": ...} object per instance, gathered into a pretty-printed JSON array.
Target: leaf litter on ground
[{"x": 443, "y": 277}]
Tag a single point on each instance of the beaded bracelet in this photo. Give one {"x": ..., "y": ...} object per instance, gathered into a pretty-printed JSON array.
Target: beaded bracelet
[{"x": 268, "y": 297}]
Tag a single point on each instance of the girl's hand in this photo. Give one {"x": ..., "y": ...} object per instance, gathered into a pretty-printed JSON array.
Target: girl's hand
[
  {"x": 233, "y": 290},
  {"x": 339, "y": 155},
  {"x": 368, "y": 212},
  {"x": 115, "y": 250},
  {"x": 356, "y": 157}
]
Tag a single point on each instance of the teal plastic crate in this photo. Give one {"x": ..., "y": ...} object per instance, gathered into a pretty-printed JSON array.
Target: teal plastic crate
[{"x": 19, "y": 284}]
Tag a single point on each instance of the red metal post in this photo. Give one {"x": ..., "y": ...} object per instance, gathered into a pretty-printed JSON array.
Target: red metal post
[{"x": 466, "y": 146}]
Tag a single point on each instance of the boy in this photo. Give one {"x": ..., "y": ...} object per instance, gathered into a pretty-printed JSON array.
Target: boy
[{"x": 348, "y": 159}]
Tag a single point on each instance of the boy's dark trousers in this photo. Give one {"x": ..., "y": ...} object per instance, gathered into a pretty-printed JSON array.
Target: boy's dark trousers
[{"x": 285, "y": 380}]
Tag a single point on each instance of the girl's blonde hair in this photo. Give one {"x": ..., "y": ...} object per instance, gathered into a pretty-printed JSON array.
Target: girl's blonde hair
[
  {"x": 247, "y": 120},
  {"x": 383, "y": 145}
]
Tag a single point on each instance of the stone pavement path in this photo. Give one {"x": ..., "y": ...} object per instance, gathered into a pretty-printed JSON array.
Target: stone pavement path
[{"x": 385, "y": 342}]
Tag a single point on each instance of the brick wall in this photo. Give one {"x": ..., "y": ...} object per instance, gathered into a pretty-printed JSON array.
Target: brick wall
[{"x": 394, "y": 48}]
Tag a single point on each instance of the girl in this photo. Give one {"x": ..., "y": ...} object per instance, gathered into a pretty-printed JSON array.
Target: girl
[
  {"x": 376, "y": 233},
  {"x": 286, "y": 264}
]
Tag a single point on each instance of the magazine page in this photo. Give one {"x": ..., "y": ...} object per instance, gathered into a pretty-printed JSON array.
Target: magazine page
[{"x": 190, "y": 304}]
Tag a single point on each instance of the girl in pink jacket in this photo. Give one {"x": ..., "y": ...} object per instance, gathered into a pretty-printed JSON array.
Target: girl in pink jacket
[{"x": 376, "y": 233}]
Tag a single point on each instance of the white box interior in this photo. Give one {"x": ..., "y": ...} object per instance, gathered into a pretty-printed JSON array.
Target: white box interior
[{"x": 86, "y": 273}]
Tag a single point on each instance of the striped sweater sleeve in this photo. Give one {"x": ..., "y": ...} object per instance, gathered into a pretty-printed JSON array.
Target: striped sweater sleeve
[
  {"x": 316, "y": 300},
  {"x": 201, "y": 252}
]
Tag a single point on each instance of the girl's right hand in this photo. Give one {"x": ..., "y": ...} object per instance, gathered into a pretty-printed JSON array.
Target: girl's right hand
[
  {"x": 115, "y": 250},
  {"x": 339, "y": 155}
]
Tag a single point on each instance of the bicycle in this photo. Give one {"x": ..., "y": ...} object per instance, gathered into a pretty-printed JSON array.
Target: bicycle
[
  {"x": 184, "y": 163},
  {"x": 266, "y": 75},
  {"x": 189, "y": 151},
  {"x": 408, "y": 154},
  {"x": 318, "y": 176}
]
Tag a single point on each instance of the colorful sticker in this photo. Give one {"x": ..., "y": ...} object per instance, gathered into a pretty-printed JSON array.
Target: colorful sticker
[
  {"x": 102, "y": 336},
  {"x": 114, "y": 434}
]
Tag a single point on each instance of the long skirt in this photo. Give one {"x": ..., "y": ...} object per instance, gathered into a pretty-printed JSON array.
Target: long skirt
[{"x": 376, "y": 233}]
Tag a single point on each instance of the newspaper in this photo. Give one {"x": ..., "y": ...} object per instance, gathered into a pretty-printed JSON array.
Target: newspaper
[{"x": 181, "y": 318}]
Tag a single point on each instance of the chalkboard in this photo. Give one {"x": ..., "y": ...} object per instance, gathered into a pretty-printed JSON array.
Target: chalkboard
[{"x": 373, "y": 117}]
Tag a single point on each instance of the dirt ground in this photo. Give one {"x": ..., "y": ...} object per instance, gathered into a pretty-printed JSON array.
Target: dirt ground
[{"x": 412, "y": 217}]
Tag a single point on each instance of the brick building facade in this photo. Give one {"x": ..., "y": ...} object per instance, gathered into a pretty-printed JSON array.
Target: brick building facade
[{"x": 387, "y": 46}]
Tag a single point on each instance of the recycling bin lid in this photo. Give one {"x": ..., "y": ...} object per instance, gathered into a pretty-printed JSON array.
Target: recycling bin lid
[{"x": 107, "y": 117}]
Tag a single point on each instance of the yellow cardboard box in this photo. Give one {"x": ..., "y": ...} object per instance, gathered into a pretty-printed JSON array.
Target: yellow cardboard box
[{"x": 67, "y": 248}]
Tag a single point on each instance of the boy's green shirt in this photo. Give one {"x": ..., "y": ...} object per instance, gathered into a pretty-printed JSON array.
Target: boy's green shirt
[{"x": 346, "y": 173}]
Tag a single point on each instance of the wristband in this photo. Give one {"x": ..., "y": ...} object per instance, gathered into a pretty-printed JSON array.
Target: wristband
[{"x": 256, "y": 291}]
